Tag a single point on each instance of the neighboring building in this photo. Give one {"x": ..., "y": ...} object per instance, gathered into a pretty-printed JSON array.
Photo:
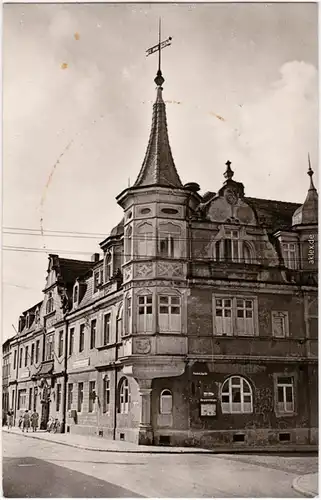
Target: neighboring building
[
  {"x": 6, "y": 360},
  {"x": 197, "y": 327}
]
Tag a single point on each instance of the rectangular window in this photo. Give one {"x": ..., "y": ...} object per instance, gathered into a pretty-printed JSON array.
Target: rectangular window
[
  {"x": 93, "y": 328},
  {"x": 232, "y": 246},
  {"x": 107, "y": 326},
  {"x": 30, "y": 399},
  {"x": 37, "y": 350},
  {"x": 58, "y": 397},
  {"x": 49, "y": 347},
  {"x": 106, "y": 395},
  {"x": 285, "y": 395},
  {"x": 15, "y": 359},
  {"x": 280, "y": 324},
  {"x": 96, "y": 281},
  {"x": 289, "y": 255},
  {"x": 13, "y": 398},
  {"x": 34, "y": 400},
  {"x": 32, "y": 354},
  {"x": 169, "y": 308},
  {"x": 129, "y": 315},
  {"x": 92, "y": 396},
  {"x": 22, "y": 396},
  {"x": 71, "y": 341},
  {"x": 70, "y": 396},
  {"x": 234, "y": 316},
  {"x": 82, "y": 338},
  {"x": 61, "y": 344},
  {"x": 26, "y": 355},
  {"x": 145, "y": 313},
  {"x": 20, "y": 359},
  {"x": 80, "y": 396}
]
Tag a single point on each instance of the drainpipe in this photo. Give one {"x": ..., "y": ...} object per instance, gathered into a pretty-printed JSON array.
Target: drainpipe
[{"x": 64, "y": 401}]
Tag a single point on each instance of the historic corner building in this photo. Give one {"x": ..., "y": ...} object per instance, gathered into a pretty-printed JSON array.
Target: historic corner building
[{"x": 197, "y": 327}]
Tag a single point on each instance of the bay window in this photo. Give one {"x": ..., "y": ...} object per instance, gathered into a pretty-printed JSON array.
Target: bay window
[
  {"x": 145, "y": 313},
  {"x": 169, "y": 309}
]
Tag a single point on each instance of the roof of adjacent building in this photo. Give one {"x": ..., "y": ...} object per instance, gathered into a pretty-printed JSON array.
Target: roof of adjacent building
[
  {"x": 158, "y": 167},
  {"x": 275, "y": 215},
  {"x": 70, "y": 269}
]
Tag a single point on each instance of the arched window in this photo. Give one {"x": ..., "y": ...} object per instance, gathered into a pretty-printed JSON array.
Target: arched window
[
  {"x": 119, "y": 324},
  {"x": 124, "y": 396},
  {"x": 108, "y": 266},
  {"x": 128, "y": 250},
  {"x": 236, "y": 396},
  {"x": 247, "y": 254},
  {"x": 166, "y": 402},
  {"x": 145, "y": 240},
  {"x": 49, "y": 306},
  {"x": 169, "y": 240}
]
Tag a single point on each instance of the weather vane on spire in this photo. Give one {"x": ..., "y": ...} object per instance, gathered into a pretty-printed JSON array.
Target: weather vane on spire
[{"x": 159, "y": 80}]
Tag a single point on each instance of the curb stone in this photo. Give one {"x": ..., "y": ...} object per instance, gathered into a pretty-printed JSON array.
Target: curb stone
[
  {"x": 299, "y": 489},
  {"x": 173, "y": 450}
]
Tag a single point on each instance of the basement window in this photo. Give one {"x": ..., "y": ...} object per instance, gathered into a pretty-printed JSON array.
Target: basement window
[
  {"x": 284, "y": 436},
  {"x": 238, "y": 438},
  {"x": 164, "y": 440}
]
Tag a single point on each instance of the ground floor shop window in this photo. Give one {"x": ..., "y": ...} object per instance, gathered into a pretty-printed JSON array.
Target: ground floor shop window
[
  {"x": 236, "y": 396},
  {"x": 124, "y": 396}
]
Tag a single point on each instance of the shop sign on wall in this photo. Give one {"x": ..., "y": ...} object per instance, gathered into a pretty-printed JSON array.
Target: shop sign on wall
[{"x": 208, "y": 405}]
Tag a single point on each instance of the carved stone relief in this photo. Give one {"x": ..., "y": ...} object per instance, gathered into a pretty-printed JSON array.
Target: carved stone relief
[
  {"x": 127, "y": 273},
  {"x": 144, "y": 269},
  {"x": 169, "y": 269},
  {"x": 142, "y": 346}
]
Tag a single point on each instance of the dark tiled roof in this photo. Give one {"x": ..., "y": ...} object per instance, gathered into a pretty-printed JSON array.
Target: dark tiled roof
[
  {"x": 158, "y": 166},
  {"x": 275, "y": 215},
  {"x": 71, "y": 269}
]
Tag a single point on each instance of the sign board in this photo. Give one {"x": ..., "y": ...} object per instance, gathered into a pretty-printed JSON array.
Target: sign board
[
  {"x": 208, "y": 407},
  {"x": 80, "y": 363}
]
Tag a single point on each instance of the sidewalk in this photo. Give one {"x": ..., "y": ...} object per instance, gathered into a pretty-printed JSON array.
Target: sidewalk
[
  {"x": 95, "y": 443},
  {"x": 307, "y": 485}
]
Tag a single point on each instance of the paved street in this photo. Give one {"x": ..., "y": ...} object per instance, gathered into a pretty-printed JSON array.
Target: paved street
[{"x": 35, "y": 468}]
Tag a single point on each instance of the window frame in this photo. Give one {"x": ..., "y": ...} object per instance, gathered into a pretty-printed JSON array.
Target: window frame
[
  {"x": 91, "y": 400},
  {"x": 71, "y": 342},
  {"x": 169, "y": 234},
  {"x": 80, "y": 399},
  {"x": 58, "y": 396},
  {"x": 70, "y": 391},
  {"x": 81, "y": 344},
  {"x": 171, "y": 316},
  {"x": 50, "y": 303},
  {"x": 60, "y": 343},
  {"x": 229, "y": 393},
  {"x": 162, "y": 396},
  {"x": 124, "y": 396},
  {"x": 106, "y": 394},
  {"x": 285, "y": 324},
  {"x": 106, "y": 340},
  {"x": 235, "y": 330},
  {"x": 291, "y": 262},
  {"x": 146, "y": 324},
  {"x": 93, "y": 333},
  {"x": 144, "y": 241},
  {"x": 277, "y": 404}
]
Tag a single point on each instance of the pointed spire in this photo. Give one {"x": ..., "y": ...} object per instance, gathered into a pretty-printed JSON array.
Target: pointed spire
[
  {"x": 308, "y": 212},
  {"x": 310, "y": 174},
  {"x": 228, "y": 174},
  {"x": 158, "y": 166}
]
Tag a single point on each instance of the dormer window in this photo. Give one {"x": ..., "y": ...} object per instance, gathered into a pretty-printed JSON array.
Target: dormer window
[
  {"x": 50, "y": 303},
  {"x": 108, "y": 266},
  {"x": 97, "y": 280},
  {"x": 76, "y": 294},
  {"x": 37, "y": 316},
  {"x": 28, "y": 320},
  {"x": 289, "y": 255},
  {"x": 231, "y": 248}
]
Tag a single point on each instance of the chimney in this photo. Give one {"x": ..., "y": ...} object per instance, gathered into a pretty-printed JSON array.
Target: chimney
[{"x": 95, "y": 257}]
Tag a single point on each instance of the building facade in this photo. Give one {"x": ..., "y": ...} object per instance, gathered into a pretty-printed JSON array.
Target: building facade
[{"x": 195, "y": 325}]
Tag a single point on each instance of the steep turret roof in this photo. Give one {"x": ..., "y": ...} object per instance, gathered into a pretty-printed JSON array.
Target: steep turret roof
[{"x": 158, "y": 166}]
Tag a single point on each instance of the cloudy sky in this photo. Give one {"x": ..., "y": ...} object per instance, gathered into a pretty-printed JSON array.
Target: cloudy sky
[{"x": 241, "y": 85}]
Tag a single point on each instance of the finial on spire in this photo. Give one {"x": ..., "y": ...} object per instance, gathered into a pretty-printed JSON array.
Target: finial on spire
[
  {"x": 228, "y": 174},
  {"x": 310, "y": 173},
  {"x": 159, "y": 80}
]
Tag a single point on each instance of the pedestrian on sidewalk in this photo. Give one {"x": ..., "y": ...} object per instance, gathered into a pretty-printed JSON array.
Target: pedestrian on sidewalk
[
  {"x": 34, "y": 420},
  {"x": 26, "y": 421},
  {"x": 10, "y": 419}
]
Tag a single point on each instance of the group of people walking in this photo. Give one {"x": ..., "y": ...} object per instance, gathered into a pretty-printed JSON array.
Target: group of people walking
[{"x": 27, "y": 420}]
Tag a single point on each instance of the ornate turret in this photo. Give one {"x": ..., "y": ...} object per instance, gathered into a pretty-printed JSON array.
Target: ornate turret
[{"x": 308, "y": 212}]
